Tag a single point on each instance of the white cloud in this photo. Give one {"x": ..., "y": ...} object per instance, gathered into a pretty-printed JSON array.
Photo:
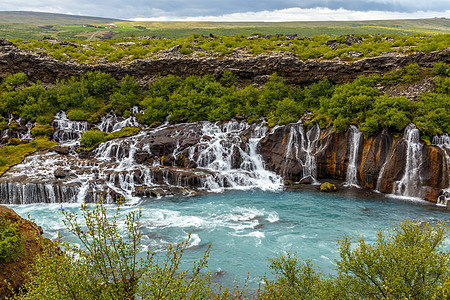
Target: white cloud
[{"x": 301, "y": 14}]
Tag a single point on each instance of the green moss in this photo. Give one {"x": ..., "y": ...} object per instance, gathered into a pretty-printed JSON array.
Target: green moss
[
  {"x": 92, "y": 138},
  {"x": 11, "y": 242},
  {"x": 327, "y": 187},
  {"x": 15, "y": 154},
  {"x": 42, "y": 130},
  {"x": 14, "y": 126}
]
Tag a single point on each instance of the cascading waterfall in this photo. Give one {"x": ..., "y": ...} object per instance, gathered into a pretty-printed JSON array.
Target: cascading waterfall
[
  {"x": 409, "y": 185},
  {"x": 302, "y": 147},
  {"x": 66, "y": 131},
  {"x": 354, "y": 140},
  {"x": 226, "y": 157},
  {"x": 218, "y": 150},
  {"x": 110, "y": 122},
  {"x": 443, "y": 142}
]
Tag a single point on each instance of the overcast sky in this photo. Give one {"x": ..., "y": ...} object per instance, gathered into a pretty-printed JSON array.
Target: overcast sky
[{"x": 239, "y": 10}]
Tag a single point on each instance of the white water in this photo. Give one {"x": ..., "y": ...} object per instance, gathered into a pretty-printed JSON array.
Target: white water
[
  {"x": 409, "y": 184},
  {"x": 67, "y": 132},
  {"x": 219, "y": 148},
  {"x": 302, "y": 147},
  {"x": 112, "y": 171},
  {"x": 443, "y": 142},
  {"x": 353, "y": 144}
]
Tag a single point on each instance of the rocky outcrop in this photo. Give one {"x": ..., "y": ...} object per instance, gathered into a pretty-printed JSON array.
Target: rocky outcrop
[
  {"x": 404, "y": 166},
  {"x": 40, "y": 66},
  {"x": 14, "y": 272}
]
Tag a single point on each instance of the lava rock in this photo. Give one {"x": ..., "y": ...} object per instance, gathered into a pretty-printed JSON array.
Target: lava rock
[
  {"x": 60, "y": 173},
  {"x": 328, "y": 187},
  {"x": 61, "y": 149}
]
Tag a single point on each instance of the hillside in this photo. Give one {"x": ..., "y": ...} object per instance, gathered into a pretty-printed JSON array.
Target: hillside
[
  {"x": 42, "y": 18},
  {"x": 33, "y": 25}
]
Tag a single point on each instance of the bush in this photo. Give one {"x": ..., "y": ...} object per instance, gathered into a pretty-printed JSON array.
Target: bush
[
  {"x": 107, "y": 266},
  {"x": 42, "y": 130},
  {"x": 407, "y": 262},
  {"x": 11, "y": 242},
  {"x": 91, "y": 138},
  {"x": 78, "y": 115}
]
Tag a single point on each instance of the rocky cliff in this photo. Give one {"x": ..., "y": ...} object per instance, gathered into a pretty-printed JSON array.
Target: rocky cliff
[{"x": 40, "y": 66}]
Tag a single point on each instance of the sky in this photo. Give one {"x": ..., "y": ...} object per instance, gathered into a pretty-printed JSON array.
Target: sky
[{"x": 239, "y": 10}]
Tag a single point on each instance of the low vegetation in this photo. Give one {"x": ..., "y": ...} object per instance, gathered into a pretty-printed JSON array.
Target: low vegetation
[
  {"x": 345, "y": 47},
  {"x": 14, "y": 154},
  {"x": 92, "y": 138},
  {"x": 11, "y": 242},
  {"x": 195, "y": 98},
  {"x": 407, "y": 262}
]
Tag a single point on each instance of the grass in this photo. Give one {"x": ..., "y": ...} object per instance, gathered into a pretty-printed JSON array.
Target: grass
[
  {"x": 71, "y": 27},
  {"x": 92, "y": 138},
  {"x": 13, "y": 155}
]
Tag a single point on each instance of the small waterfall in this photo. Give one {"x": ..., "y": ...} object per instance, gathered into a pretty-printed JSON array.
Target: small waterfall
[
  {"x": 302, "y": 148},
  {"x": 217, "y": 153},
  {"x": 111, "y": 122},
  {"x": 443, "y": 142},
  {"x": 67, "y": 131},
  {"x": 226, "y": 155},
  {"x": 353, "y": 144},
  {"x": 410, "y": 185}
]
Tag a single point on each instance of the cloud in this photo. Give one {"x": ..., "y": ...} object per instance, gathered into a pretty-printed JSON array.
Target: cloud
[
  {"x": 238, "y": 9},
  {"x": 301, "y": 14}
]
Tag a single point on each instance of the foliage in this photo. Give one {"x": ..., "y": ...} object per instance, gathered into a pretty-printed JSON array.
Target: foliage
[
  {"x": 109, "y": 265},
  {"x": 15, "y": 154},
  {"x": 405, "y": 263},
  {"x": 78, "y": 115},
  {"x": 93, "y": 137},
  {"x": 11, "y": 242},
  {"x": 42, "y": 130}
]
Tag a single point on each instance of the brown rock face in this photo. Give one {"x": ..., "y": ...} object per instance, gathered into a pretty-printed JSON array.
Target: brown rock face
[
  {"x": 285, "y": 64},
  {"x": 373, "y": 156},
  {"x": 15, "y": 272}
]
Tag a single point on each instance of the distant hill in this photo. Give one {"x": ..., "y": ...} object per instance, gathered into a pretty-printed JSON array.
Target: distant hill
[{"x": 41, "y": 18}]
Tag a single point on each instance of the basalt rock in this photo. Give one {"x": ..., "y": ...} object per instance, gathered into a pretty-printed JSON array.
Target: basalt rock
[{"x": 40, "y": 66}]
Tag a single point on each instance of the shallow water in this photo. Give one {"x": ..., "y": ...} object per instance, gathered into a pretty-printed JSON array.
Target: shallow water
[{"x": 247, "y": 227}]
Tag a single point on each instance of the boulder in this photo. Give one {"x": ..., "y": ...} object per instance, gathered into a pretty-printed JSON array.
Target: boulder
[
  {"x": 60, "y": 173},
  {"x": 327, "y": 187}
]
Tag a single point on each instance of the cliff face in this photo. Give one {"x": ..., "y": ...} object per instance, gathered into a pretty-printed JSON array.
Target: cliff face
[
  {"x": 39, "y": 66},
  {"x": 404, "y": 166}
]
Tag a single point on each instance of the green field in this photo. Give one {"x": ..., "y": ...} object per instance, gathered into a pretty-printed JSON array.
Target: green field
[{"x": 66, "y": 27}]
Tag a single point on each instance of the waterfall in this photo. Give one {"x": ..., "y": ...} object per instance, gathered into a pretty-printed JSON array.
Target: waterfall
[
  {"x": 111, "y": 122},
  {"x": 354, "y": 139},
  {"x": 302, "y": 148},
  {"x": 409, "y": 185},
  {"x": 226, "y": 157},
  {"x": 443, "y": 142},
  {"x": 66, "y": 131},
  {"x": 218, "y": 148}
]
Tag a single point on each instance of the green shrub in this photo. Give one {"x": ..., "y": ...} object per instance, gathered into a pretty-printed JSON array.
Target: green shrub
[
  {"x": 78, "y": 115},
  {"x": 91, "y": 138},
  {"x": 407, "y": 262},
  {"x": 110, "y": 264},
  {"x": 11, "y": 242},
  {"x": 42, "y": 130}
]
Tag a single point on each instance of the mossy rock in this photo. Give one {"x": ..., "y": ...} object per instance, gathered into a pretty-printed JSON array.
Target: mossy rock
[{"x": 327, "y": 187}]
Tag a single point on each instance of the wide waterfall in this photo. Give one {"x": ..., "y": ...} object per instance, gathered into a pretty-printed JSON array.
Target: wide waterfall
[
  {"x": 409, "y": 185},
  {"x": 443, "y": 142},
  {"x": 222, "y": 157},
  {"x": 353, "y": 143}
]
